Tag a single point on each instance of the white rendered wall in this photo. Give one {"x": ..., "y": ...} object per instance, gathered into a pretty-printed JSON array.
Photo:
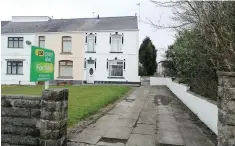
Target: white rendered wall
[
  {"x": 16, "y": 54},
  {"x": 207, "y": 111},
  {"x": 130, "y": 49}
]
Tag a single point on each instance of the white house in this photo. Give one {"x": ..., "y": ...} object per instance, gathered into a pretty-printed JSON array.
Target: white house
[
  {"x": 111, "y": 51},
  {"x": 16, "y": 50},
  {"x": 15, "y": 58}
]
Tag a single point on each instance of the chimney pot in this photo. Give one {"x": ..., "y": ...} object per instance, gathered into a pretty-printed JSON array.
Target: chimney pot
[{"x": 98, "y": 17}]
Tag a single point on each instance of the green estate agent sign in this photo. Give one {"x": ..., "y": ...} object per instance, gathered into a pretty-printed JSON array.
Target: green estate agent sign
[{"x": 42, "y": 64}]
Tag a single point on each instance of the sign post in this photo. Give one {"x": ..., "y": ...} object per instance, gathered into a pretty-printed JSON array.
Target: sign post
[{"x": 42, "y": 65}]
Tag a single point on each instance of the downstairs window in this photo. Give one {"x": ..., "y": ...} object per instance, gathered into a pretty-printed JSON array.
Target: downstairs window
[
  {"x": 115, "y": 68},
  {"x": 66, "y": 68},
  {"x": 15, "y": 67}
]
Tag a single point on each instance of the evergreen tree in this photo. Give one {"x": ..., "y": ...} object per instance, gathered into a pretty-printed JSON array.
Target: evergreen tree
[{"x": 147, "y": 57}]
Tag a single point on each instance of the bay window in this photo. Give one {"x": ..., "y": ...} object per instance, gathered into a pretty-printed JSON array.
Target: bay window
[{"x": 115, "y": 68}]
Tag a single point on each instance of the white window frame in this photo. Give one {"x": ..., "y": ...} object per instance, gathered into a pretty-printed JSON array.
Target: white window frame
[
  {"x": 111, "y": 63},
  {"x": 113, "y": 39},
  {"x": 90, "y": 37}
]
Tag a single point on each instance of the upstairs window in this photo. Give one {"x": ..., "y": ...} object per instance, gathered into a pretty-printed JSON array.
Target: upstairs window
[
  {"x": 41, "y": 41},
  {"x": 116, "y": 43},
  {"x": 115, "y": 68},
  {"x": 15, "y": 42},
  {"x": 66, "y": 44},
  {"x": 15, "y": 67},
  {"x": 91, "y": 43}
]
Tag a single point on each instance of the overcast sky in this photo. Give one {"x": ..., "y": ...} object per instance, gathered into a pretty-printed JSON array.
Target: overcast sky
[{"x": 105, "y": 8}]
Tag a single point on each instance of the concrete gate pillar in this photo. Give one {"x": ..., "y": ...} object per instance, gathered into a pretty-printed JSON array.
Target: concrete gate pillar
[{"x": 226, "y": 109}]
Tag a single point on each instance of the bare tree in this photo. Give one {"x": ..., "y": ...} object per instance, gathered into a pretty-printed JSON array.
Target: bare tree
[{"x": 216, "y": 22}]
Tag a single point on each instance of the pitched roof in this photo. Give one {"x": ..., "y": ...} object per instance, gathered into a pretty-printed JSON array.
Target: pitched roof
[
  {"x": 78, "y": 24},
  {"x": 4, "y": 23}
]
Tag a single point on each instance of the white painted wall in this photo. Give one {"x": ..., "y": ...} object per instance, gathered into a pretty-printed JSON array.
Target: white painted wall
[
  {"x": 16, "y": 53},
  {"x": 130, "y": 49},
  {"x": 207, "y": 111}
]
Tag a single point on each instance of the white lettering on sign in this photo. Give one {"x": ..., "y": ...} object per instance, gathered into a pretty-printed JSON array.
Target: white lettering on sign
[
  {"x": 48, "y": 59},
  {"x": 43, "y": 75},
  {"x": 43, "y": 67},
  {"x": 48, "y": 56}
]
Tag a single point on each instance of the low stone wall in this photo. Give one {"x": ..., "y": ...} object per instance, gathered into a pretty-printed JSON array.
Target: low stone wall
[
  {"x": 35, "y": 120},
  {"x": 226, "y": 105},
  {"x": 20, "y": 119}
]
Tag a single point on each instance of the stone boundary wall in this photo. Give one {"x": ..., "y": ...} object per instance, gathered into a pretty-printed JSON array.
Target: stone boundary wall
[
  {"x": 226, "y": 105},
  {"x": 35, "y": 120}
]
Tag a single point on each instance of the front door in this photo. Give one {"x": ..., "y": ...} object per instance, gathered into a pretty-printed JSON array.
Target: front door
[{"x": 90, "y": 71}]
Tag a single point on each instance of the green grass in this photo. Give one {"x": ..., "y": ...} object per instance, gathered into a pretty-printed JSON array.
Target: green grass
[{"x": 83, "y": 100}]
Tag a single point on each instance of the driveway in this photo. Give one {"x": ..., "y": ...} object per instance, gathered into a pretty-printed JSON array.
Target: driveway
[{"x": 149, "y": 116}]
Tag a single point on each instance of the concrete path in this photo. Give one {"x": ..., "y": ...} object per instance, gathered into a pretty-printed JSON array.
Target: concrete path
[{"x": 150, "y": 116}]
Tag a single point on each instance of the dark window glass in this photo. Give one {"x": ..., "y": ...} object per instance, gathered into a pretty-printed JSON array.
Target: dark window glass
[
  {"x": 15, "y": 42},
  {"x": 41, "y": 42},
  {"x": 14, "y": 67}
]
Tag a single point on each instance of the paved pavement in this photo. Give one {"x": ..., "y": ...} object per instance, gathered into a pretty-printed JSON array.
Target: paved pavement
[{"x": 150, "y": 116}]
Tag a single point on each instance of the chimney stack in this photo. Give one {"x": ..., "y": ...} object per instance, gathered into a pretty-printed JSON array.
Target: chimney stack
[{"x": 98, "y": 17}]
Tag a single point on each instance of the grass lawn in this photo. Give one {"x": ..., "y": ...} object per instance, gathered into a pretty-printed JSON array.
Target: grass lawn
[{"x": 83, "y": 100}]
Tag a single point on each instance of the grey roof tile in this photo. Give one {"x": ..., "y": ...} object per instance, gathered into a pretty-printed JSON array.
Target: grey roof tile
[
  {"x": 79, "y": 24},
  {"x": 4, "y": 23}
]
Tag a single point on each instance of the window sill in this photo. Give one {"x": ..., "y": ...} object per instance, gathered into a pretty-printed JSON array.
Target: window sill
[
  {"x": 66, "y": 53},
  {"x": 64, "y": 77},
  {"x": 86, "y": 44},
  {"x": 90, "y": 51},
  {"x": 116, "y": 77},
  {"x": 14, "y": 74},
  {"x": 15, "y": 48},
  {"x": 115, "y": 52}
]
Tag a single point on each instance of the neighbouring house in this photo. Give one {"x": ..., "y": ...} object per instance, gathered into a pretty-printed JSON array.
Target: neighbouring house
[
  {"x": 87, "y": 50},
  {"x": 111, "y": 51},
  {"x": 69, "y": 54},
  {"x": 15, "y": 54},
  {"x": 161, "y": 68}
]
